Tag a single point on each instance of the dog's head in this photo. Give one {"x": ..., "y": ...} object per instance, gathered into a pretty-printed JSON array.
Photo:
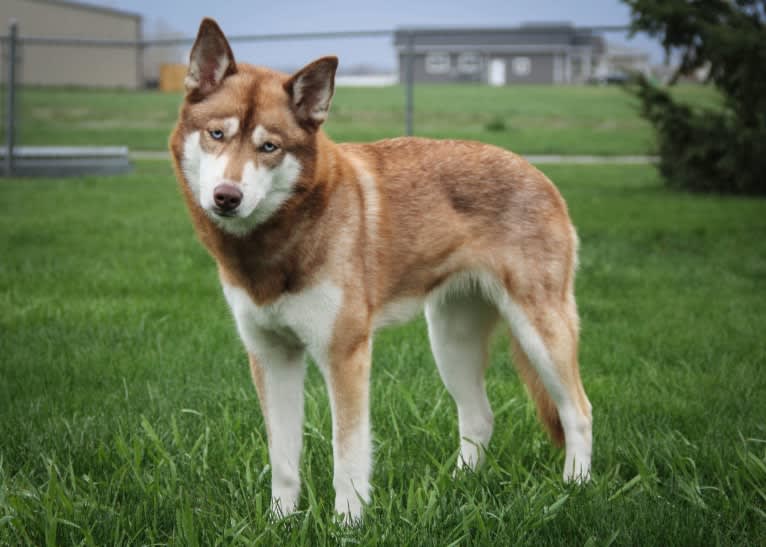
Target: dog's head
[{"x": 246, "y": 136}]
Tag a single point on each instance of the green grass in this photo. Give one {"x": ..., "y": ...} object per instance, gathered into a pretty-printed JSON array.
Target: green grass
[
  {"x": 127, "y": 415},
  {"x": 526, "y": 119}
]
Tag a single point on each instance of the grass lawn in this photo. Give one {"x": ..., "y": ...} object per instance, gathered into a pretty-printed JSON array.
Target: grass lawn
[
  {"x": 526, "y": 119},
  {"x": 127, "y": 415}
]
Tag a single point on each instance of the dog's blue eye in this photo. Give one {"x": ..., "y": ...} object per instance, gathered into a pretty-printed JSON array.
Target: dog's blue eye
[
  {"x": 268, "y": 147},
  {"x": 217, "y": 134}
]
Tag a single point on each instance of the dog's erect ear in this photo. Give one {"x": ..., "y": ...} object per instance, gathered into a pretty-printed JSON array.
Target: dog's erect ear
[
  {"x": 211, "y": 59},
  {"x": 311, "y": 90}
]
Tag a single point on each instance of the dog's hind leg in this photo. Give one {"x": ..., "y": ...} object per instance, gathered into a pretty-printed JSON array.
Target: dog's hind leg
[
  {"x": 459, "y": 327},
  {"x": 545, "y": 332}
]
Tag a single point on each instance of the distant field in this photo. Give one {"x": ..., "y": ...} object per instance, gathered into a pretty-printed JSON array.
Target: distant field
[
  {"x": 526, "y": 119},
  {"x": 127, "y": 415}
]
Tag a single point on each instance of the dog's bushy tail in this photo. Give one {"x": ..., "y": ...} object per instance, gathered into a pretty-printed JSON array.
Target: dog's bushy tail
[{"x": 546, "y": 409}]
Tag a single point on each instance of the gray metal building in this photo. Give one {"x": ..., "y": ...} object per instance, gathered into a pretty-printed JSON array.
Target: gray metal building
[
  {"x": 43, "y": 64},
  {"x": 548, "y": 53}
]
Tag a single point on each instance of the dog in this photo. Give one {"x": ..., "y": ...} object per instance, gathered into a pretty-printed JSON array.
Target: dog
[{"x": 319, "y": 244}]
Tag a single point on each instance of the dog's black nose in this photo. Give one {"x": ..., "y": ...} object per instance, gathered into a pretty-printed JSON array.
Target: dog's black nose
[{"x": 227, "y": 197}]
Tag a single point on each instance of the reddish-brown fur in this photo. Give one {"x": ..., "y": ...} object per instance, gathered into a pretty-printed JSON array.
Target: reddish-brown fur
[{"x": 442, "y": 207}]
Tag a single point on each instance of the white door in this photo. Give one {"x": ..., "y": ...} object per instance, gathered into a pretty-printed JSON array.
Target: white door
[{"x": 497, "y": 72}]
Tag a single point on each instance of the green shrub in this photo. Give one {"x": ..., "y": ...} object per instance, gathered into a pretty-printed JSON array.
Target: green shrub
[
  {"x": 721, "y": 150},
  {"x": 496, "y": 124}
]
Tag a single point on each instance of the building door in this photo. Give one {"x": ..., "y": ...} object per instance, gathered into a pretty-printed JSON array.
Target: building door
[{"x": 497, "y": 72}]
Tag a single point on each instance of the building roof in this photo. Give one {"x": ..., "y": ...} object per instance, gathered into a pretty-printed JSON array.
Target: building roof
[
  {"x": 90, "y": 7},
  {"x": 531, "y": 34}
]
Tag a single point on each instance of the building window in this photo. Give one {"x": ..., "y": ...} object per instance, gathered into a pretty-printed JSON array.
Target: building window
[
  {"x": 521, "y": 66},
  {"x": 468, "y": 63},
  {"x": 438, "y": 63}
]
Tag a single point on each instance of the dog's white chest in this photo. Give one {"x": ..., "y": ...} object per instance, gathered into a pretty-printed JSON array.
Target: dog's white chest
[{"x": 306, "y": 317}]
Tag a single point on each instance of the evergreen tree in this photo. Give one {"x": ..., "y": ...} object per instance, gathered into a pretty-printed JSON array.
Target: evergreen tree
[{"x": 721, "y": 150}]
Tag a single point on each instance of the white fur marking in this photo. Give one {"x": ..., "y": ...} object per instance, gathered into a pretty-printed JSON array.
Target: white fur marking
[
  {"x": 191, "y": 81},
  {"x": 220, "y": 68},
  {"x": 264, "y": 190},
  {"x": 260, "y": 136},
  {"x": 211, "y": 174},
  {"x": 190, "y": 162},
  {"x": 271, "y": 186},
  {"x": 319, "y": 115},
  {"x": 320, "y": 110},
  {"x": 230, "y": 126},
  {"x": 193, "y": 76},
  {"x": 307, "y": 317},
  {"x": 298, "y": 91}
]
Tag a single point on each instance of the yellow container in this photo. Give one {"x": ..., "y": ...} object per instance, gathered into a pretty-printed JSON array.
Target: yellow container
[{"x": 172, "y": 77}]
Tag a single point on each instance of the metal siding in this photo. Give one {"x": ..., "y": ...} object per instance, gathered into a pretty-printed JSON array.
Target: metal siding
[
  {"x": 542, "y": 69},
  {"x": 74, "y": 65}
]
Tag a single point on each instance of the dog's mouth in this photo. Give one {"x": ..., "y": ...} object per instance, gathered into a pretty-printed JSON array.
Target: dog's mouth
[{"x": 223, "y": 213}]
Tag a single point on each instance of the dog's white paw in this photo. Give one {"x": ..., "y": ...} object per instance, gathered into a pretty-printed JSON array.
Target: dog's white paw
[
  {"x": 351, "y": 516},
  {"x": 577, "y": 467},
  {"x": 284, "y": 504},
  {"x": 349, "y": 507},
  {"x": 578, "y": 453},
  {"x": 471, "y": 455},
  {"x": 578, "y": 475}
]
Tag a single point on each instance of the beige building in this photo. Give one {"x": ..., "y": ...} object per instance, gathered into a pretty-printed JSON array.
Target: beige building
[{"x": 43, "y": 64}]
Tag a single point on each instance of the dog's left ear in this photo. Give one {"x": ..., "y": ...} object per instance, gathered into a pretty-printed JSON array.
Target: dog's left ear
[
  {"x": 211, "y": 60},
  {"x": 311, "y": 90}
]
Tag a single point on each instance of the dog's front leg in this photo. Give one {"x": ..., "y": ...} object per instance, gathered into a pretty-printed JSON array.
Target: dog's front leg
[
  {"x": 348, "y": 374},
  {"x": 278, "y": 374}
]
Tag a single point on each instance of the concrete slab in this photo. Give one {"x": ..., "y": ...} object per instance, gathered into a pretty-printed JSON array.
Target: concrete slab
[{"x": 68, "y": 161}]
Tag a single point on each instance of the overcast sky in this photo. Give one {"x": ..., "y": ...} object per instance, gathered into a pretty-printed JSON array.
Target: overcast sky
[{"x": 277, "y": 16}]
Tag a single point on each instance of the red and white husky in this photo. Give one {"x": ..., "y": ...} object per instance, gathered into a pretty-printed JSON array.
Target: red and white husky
[{"x": 318, "y": 244}]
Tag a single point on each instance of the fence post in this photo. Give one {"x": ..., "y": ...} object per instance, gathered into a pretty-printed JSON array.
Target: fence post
[
  {"x": 140, "y": 54},
  {"x": 11, "y": 97},
  {"x": 410, "y": 81}
]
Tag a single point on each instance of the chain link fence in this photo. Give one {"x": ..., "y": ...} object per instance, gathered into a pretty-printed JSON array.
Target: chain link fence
[{"x": 413, "y": 47}]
